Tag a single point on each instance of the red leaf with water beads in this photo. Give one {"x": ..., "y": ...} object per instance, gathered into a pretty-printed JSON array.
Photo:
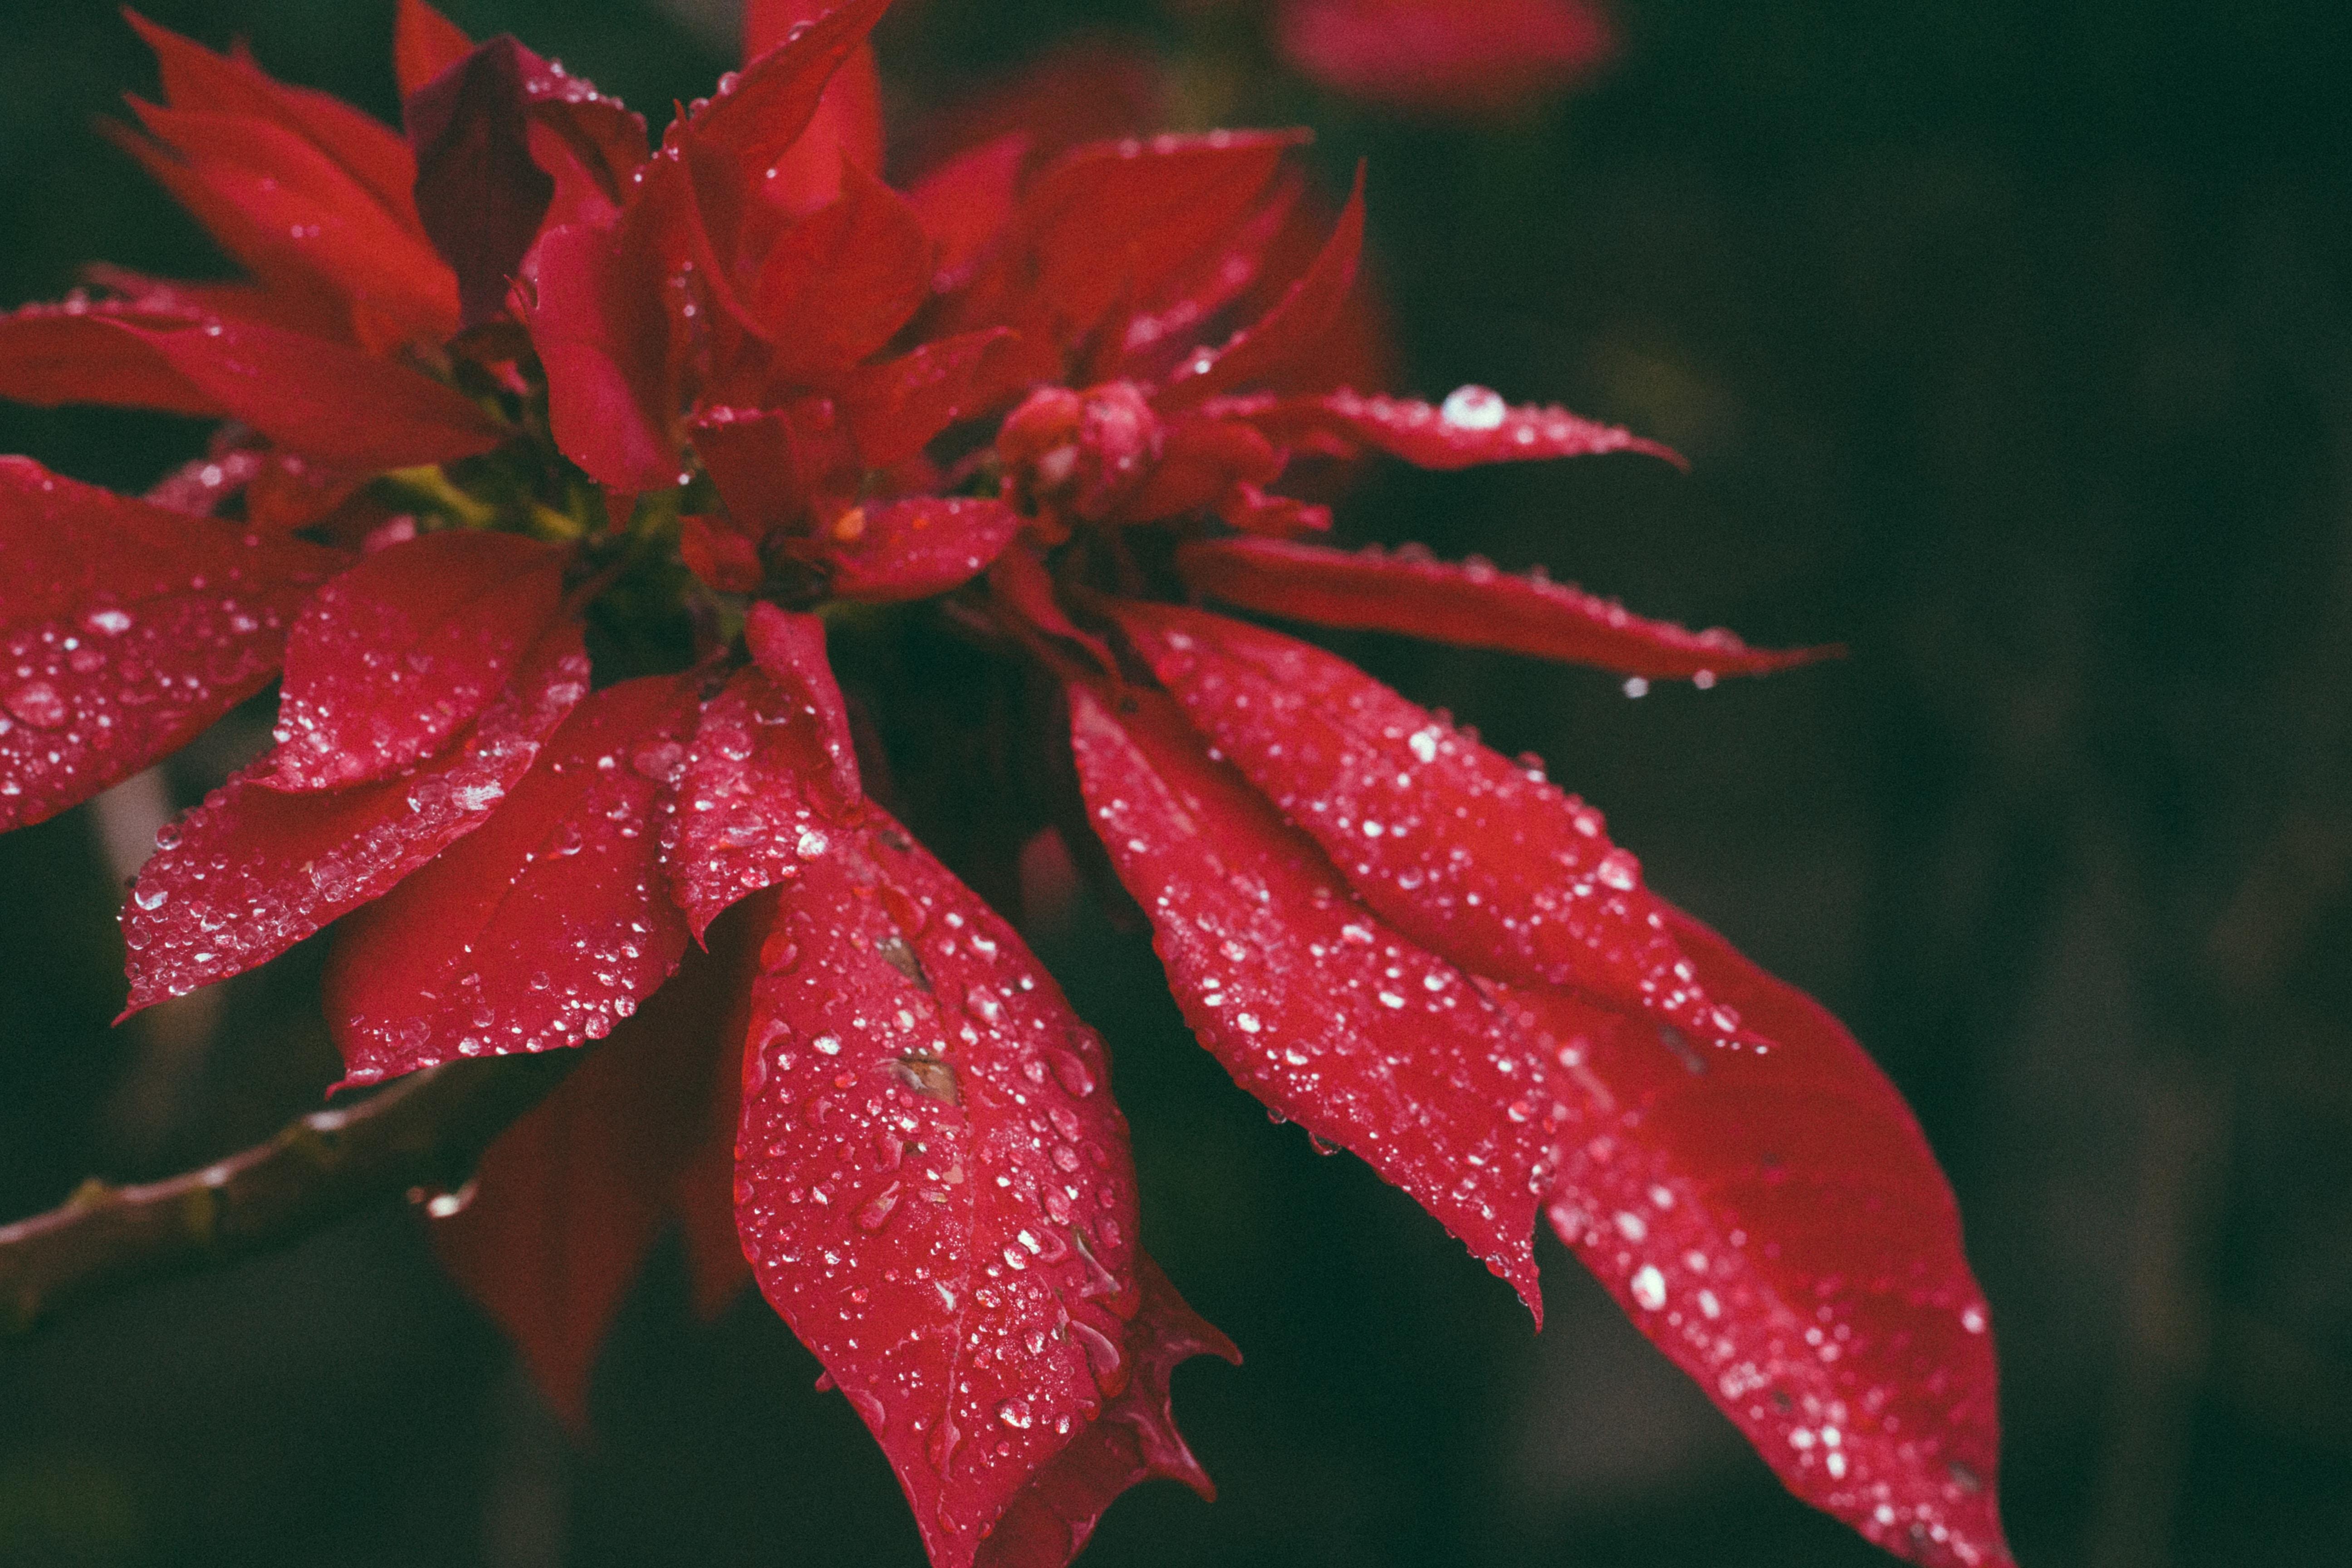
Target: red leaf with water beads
[
  {"x": 1108, "y": 223},
  {"x": 1308, "y": 315},
  {"x": 254, "y": 870},
  {"x": 479, "y": 192},
  {"x": 125, "y": 631},
  {"x": 1472, "y": 427},
  {"x": 1313, "y": 1003},
  {"x": 912, "y": 549},
  {"x": 399, "y": 653},
  {"x": 1470, "y": 604},
  {"x": 1476, "y": 57},
  {"x": 1134, "y": 1439},
  {"x": 570, "y": 1200},
  {"x": 1774, "y": 1221},
  {"x": 847, "y": 124},
  {"x": 757, "y": 115},
  {"x": 935, "y": 1186},
  {"x": 332, "y": 403},
  {"x": 546, "y": 925},
  {"x": 1473, "y": 855},
  {"x": 425, "y": 43},
  {"x": 771, "y": 775}
]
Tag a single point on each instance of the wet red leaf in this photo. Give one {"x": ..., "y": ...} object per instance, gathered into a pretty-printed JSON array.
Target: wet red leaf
[
  {"x": 1774, "y": 1222},
  {"x": 1312, "y": 1002},
  {"x": 1473, "y": 855},
  {"x": 1472, "y": 427},
  {"x": 936, "y": 1190},
  {"x": 912, "y": 549},
  {"x": 394, "y": 657},
  {"x": 425, "y": 43},
  {"x": 546, "y": 925},
  {"x": 480, "y": 193},
  {"x": 254, "y": 870},
  {"x": 127, "y": 630},
  {"x": 772, "y": 778},
  {"x": 1470, "y": 604}
]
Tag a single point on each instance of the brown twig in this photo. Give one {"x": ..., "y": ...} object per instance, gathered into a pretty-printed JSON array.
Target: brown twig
[{"x": 423, "y": 1134}]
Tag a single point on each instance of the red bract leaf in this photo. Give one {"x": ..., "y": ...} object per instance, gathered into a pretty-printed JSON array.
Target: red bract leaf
[
  {"x": 396, "y": 654},
  {"x": 1172, "y": 321},
  {"x": 757, "y": 116},
  {"x": 1134, "y": 1439},
  {"x": 935, "y": 1186},
  {"x": 1312, "y": 1002},
  {"x": 847, "y": 124},
  {"x": 125, "y": 631},
  {"x": 1111, "y": 222},
  {"x": 328, "y": 403},
  {"x": 769, "y": 777},
  {"x": 52, "y": 354},
  {"x": 1473, "y": 855},
  {"x": 279, "y": 203},
  {"x": 599, "y": 322},
  {"x": 1471, "y": 605},
  {"x": 842, "y": 280},
  {"x": 1775, "y": 1223},
  {"x": 480, "y": 196},
  {"x": 254, "y": 870},
  {"x": 1446, "y": 57},
  {"x": 546, "y": 925},
  {"x": 894, "y": 408},
  {"x": 425, "y": 43},
  {"x": 1293, "y": 330},
  {"x": 196, "y": 77},
  {"x": 568, "y": 1201},
  {"x": 913, "y": 549},
  {"x": 1472, "y": 427}
]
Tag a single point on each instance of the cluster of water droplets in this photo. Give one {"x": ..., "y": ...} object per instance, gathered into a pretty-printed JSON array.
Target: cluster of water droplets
[{"x": 1474, "y": 425}]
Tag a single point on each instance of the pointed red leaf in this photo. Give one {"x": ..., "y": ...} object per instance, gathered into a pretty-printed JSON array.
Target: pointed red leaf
[
  {"x": 332, "y": 403},
  {"x": 1293, "y": 330},
  {"x": 1774, "y": 1221},
  {"x": 1472, "y": 427},
  {"x": 546, "y": 925},
  {"x": 762, "y": 462},
  {"x": 570, "y": 1199},
  {"x": 196, "y": 77},
  {"x": 254, "y": 870},
  {"x": 915, "y": 548},
  {"x": 396, "y": 654},
  {"x": 894, "y": 408},
  {"x": 1473, "y": 855},
  {"x": 1471, "y": 605},
  {"x": 480, "y": 196},
  {"x": 54, "y": 354},
  {"x": 425, "y": 43},
  {"x": 1313, "y": 1003},
  {"x": 847, "y": 123},
  {"x": 1134, "y": 1439},
  {"x": 1108, "y": 223},
  {"x": 771, "y": 776},
  {"x": 842, "y": 280},
  {"x": 1172, "y": 323},
  {"x": 125, "y": 631},
  {"x": 935, "y": 1186},
  {"x": 279, "y": 203},
  {"x": 757, "y": 116}
]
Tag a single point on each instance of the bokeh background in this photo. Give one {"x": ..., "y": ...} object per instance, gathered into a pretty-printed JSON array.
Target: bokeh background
[{"x": 2011, "y": 343}]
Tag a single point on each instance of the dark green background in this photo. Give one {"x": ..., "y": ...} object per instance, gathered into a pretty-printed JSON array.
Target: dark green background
[{"x": 2012, "y": 345}]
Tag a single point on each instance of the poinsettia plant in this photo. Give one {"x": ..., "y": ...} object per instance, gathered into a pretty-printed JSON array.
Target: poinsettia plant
[{"x": 627, "y": 529}]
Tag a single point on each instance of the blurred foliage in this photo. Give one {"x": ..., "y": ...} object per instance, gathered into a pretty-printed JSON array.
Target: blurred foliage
[{"x": 2013, "y": 344}]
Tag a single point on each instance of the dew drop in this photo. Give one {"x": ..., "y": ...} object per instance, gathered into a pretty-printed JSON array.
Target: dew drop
[{"x": 1474, "y": 407}]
